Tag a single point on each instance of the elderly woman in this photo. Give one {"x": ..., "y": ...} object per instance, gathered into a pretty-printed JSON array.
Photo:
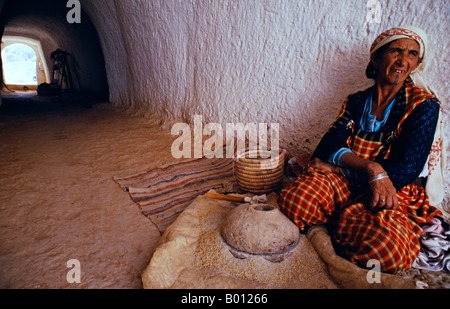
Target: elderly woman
[{"x": 363, "y": 179}]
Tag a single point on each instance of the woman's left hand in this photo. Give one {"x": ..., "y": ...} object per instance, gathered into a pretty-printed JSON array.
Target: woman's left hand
[{"x": 384, "y": 194}]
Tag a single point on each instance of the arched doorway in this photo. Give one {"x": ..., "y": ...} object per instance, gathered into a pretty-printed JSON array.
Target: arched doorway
[{"x": 24, "y": 65}]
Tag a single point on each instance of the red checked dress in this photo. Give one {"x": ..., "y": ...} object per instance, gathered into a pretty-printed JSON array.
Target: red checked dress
[{"x": 388, "y": 236}]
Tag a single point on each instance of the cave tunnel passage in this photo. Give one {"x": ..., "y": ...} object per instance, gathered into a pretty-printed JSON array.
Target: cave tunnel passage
[{"x": 43, "y": 27}]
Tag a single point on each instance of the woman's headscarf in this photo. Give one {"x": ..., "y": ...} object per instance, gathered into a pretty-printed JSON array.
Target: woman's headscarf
[{"x": 408, "y": 32}]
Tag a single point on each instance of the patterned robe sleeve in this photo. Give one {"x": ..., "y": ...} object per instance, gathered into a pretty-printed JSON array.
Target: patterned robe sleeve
[{"x": 410, "y": 151}]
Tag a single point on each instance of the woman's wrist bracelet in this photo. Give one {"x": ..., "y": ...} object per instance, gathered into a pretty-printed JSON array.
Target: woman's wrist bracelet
[{"x": 379, "y": 176}]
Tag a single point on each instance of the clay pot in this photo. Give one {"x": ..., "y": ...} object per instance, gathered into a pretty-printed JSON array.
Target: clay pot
[{"x": 259, "y": 229}]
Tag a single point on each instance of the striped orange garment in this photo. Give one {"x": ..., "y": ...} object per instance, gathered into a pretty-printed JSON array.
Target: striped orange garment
[
  {"x": 313, "y": 197},
  {"x": 388, "y": 236}
]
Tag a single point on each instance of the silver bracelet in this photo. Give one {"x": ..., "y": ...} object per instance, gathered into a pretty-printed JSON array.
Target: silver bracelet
[{"x": 379, "y": 176}]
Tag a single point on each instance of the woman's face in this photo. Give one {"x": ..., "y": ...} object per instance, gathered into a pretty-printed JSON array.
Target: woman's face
[{"x": 400, "y": 59}]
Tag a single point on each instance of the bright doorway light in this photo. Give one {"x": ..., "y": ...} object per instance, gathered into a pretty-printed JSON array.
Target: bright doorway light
[{"x": 19, "y": 65}]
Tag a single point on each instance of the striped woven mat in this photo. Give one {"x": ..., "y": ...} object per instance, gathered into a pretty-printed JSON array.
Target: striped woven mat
[{"x": 163, "y": 193}]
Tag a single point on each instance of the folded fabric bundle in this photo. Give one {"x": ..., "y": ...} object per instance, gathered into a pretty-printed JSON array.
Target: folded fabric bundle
[{"x": 435, "y": 247}]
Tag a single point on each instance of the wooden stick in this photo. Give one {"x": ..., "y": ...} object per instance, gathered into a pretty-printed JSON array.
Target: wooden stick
[{"x": 224, "y": 197}]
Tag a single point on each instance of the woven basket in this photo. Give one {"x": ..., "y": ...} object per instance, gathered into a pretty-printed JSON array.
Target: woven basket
[{"x": 259, "y": 171}]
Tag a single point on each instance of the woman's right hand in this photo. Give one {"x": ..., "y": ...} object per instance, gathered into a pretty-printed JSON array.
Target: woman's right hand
[{"x": 320, "y": 165}]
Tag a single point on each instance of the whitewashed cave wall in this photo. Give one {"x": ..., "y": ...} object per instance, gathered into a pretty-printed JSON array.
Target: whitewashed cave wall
[{"x": 290, "y": 62}]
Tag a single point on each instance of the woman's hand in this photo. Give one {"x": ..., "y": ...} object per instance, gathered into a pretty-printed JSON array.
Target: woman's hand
[
  {"x": 384, "y": 194},
  {"x": 320, "y": 165}
]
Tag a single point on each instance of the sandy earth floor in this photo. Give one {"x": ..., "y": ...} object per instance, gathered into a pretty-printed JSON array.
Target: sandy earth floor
[{"x": 58, "y": 200}]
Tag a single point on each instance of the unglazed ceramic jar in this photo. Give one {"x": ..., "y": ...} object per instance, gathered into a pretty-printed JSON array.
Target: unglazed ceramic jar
[{"x": 259, "y": 229}]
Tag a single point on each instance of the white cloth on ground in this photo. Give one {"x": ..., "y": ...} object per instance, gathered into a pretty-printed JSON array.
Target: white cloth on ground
[{"x": 435, "y": 247}]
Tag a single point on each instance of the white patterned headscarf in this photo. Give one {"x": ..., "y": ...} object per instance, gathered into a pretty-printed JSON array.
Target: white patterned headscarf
[{"x": 398, "y": 33}]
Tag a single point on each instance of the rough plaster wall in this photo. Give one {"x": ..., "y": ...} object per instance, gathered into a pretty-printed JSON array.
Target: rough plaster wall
[{"x": 284, "y": 61}]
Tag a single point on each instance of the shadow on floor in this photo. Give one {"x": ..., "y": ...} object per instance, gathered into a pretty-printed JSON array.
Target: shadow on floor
[{"x": 29, "y": 102}]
